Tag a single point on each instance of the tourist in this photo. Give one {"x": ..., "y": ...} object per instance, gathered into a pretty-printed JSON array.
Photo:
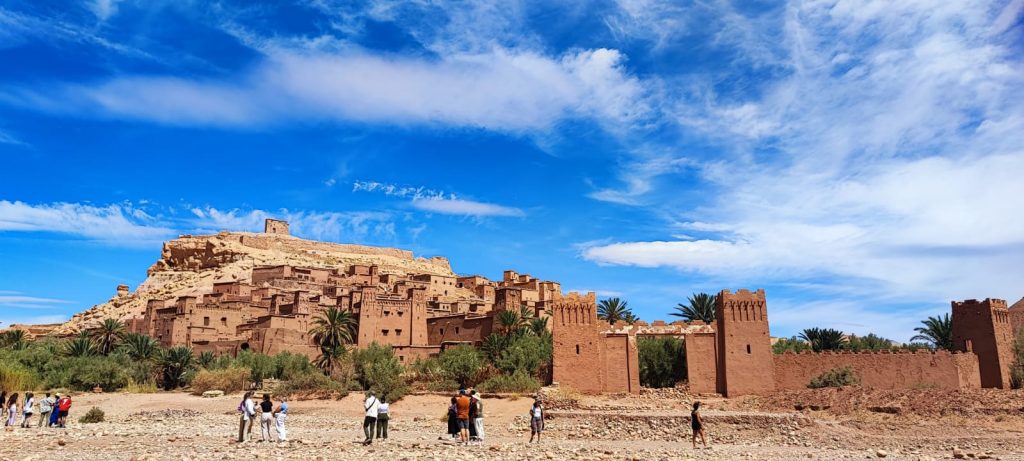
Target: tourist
[
  {"x": 472, "y": 417},
  {"x": 536, "y": 420},
  {"x": 697, "y": 424},
  {"x": 462, "y": 406},
  {"x": 453, "y": 419},
  {"x": 266, "y": 418},
  {"x": 248, "y": 409},
  {"x": 383, "y": 415},
  {"x": 30, "y": 403},
  {"x": 64, "y": 406},
  {"x": 372, "y": 406},
  {"x": 281, "y": 415},
  {"x": 45, "y": 408},
  {"x": 478, "y": 420},
  {"x": 55, "y": 414},
  {"x": 12, "y": 409}
]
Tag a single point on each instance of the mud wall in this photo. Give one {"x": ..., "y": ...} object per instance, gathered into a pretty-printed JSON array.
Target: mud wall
[{"x": 882, "y": 370}]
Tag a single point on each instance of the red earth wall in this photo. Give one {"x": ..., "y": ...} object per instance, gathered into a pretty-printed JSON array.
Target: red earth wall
[{"x": 882, "y": 370}]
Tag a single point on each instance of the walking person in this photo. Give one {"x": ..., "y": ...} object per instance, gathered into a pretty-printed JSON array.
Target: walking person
[
  {"x": 453, "y": 419},
  {"x": 281, "y": 416},
  {"x": 266, "y": 418},
  {"x": 64, "y": 406},
  {"x": 536, "y": 420},
  {"x": 372, "y": 407},
  {"x": 697, "y": 424},
  {"x": 55, "y": 414},
  {"x": 462, "y": 407},
  {"x": 248, "y": 409},
  {"x": 26, "y": 411},
  {"x": 12, "y": 409},
  {"x": 45, "y": 408},
  {"x": 383, "y": 415},
  {"x": 478, "y": 420}
]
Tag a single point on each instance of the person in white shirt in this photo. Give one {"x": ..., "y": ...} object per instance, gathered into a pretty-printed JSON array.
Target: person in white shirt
[
  {"x": 383, "y": 416},
  {"x": 30, "y": 401},
  {"x": 45, "y": 407},
  {"x": 372, "y": 407},
  {"x": 248, "y": 410}
]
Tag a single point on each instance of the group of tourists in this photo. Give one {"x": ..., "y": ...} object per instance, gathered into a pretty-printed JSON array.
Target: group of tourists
[
  {"x": 267, "y": 416},
  {"x": 466, "y": 417},
  {"x": 378, "y": 413},
  {"x": 53, "y": 410}
]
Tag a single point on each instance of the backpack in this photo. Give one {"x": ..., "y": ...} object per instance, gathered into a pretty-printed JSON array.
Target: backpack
[{"x": 241, "y": 406}]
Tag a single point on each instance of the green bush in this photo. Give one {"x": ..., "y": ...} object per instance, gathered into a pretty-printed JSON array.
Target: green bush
[
  {"x": 232, "y": 379},
  {"x": 378, "y": 370},
  {"x": 524, "y": 353},
  {"x": 289, "y": 366},
  {"x": 836, "y": 377},
  {"x": 14, "y": 375},
  {"x": 662, "y": 361},
  {"x": 84, "y": 373},
  {"x": 518, "y": 382},
  {"x": 311, "y": 385},
  {"x": 793, "y": 344},
  {"x": 94, "y": 415},
  {"x": 461, "y": 364},
  {"x": 260, "y": 366}
]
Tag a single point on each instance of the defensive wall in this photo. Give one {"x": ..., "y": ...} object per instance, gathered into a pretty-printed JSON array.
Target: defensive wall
[{"x": 733, "y": 355}]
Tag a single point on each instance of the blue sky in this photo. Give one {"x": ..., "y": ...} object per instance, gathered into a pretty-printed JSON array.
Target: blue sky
[{"x": 862, "y": 161}]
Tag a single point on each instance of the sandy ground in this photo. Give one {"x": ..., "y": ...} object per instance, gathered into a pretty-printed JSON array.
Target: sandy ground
[{"x": 178, "y": 426}]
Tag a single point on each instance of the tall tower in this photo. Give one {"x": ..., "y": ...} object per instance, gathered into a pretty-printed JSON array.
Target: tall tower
[
  {"x": 578, "y": 359},
  {"x": 983, "y": 327},
  {"x": 745, "y": 363}
]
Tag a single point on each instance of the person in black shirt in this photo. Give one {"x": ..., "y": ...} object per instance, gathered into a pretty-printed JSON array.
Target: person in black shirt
[{"x": 266, "y": 418}]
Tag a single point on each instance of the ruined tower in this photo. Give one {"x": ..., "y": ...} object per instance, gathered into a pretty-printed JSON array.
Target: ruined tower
[
  {"x": 744, "y": 347},
  {"x": 983, "y": 327},
  {"x": 274, "y": 226}
]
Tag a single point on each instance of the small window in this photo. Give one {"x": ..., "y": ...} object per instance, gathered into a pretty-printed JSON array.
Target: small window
[
  {"x": 456, "y": 330},
  {"x": 442, "y": 332},
  {"x": 401, "y": 358},
  {"x": 577, "y": 349},
  {"x": 398, "y": 332},
  {"x": 224, "y": 321},
  {"x": 748, "y": 348},
  {"x": 384, "y": 332},
  {"x": 206, "y": 321},
  {"x": 400, "y": 313}
]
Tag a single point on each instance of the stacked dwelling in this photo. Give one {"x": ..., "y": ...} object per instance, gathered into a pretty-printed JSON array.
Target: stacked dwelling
[{"x": 273, "y": 311}]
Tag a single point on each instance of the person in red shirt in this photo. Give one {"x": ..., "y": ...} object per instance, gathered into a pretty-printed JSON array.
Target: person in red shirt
[
  {"x": 63, "y": 406},
  {"x": 462, "y": 413}
]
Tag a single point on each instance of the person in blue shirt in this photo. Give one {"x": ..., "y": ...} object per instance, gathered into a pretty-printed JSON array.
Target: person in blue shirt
[{"x": 281, "y": 415}]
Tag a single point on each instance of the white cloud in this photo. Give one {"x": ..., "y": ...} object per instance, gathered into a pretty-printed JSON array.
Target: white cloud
[
  {"x": 331, "y": 226},
  {"x": 7, "y": 138},
  {"x": 104, "y": 9},
  {"x": 16, "y": 300},
  {"x": 455, "y": 206},
  {"x": 16, "y": 28},
  {"x": 116, "y": 224},
  {"x": 394, "y": 190},
  {"x": 503, "y": 89},
  {"x": 639, "y": 177}
]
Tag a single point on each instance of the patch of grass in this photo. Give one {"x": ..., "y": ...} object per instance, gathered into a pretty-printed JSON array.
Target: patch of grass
[
  {"x": 836, "y": 377},
  {"x": 232, "y": 379},
  {"x": 94, "y": 415},
  {"x": 148, "y": 387},
  {"x": 311, "y": 385}
]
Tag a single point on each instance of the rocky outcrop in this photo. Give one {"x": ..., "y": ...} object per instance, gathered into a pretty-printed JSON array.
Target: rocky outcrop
[{"x": 190, "y": 265}]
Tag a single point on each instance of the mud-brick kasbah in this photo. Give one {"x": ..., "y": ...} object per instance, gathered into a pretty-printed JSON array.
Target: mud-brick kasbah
[{"x": 420, "y": 307}]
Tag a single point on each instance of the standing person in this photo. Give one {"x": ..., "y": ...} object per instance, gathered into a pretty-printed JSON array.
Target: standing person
[
  {"x": 30, "y": 403},
  {"x": 536, "y": 420},
  {"x": 372, "y": 406},
  {"x": 697, "y": 424},
  {"x": 473, "y": 436},
  {"x": 12, "y": 409},
  {"x": 453, "y": 419},
  {"x": 3, "y": 405},
  {"x": 462, "y": 405},
  {"x": 266, "y": 418},
  {"x": 45, "y": 407},
  {"x": 281, "y": 415},
  {"x": 248, "y": 410},
  {"x": 383, "y": 415},
  {"x": 55, "y": 414},
  {"x": 478, "y": 420},
  {"x": 65, "y": 407}
]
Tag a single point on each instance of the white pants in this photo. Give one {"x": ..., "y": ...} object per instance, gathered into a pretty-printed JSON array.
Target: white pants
[
  {"x": 265, "y": 419},
  {"x": 479, "y": 423},
  {"x": 282, "y": 433}
]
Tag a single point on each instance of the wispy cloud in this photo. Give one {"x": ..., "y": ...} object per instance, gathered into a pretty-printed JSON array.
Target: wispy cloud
[
  {"x": 394, "y": 190},
  {"x": 455, "y": 206},
  {"x": 16, "y": 300},
  {"x": 331, "y": 226},
  {"x": 16, "y": 27},
  {"x": 122, "y": 224},
  {"x": 7, "y": 138}
]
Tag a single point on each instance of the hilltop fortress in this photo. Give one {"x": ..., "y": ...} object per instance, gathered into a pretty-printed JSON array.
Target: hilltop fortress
[{"x": 233, "y": 291}]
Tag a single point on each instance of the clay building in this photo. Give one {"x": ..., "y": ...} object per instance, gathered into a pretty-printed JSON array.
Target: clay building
[{"x": 733, "y": 356}]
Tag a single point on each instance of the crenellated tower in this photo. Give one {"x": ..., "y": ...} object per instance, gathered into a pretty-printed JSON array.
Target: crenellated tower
[
  {"x": 744, "y": 347},
  {"x": 983, "y": 327}
]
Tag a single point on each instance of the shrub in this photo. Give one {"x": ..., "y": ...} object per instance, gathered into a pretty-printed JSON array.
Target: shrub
[
  {"x": 13, "y": 375},
  {"x": 662, "y": 361},
  {"x": 311, "y": 385},
  {"x": 85, "y": 373},
  {"x": 260, "y": 366},
  {"x": 461, "y": 364},
  {"x": 525, "y": 353},
  {"x": 378, "y": 370},
  {"x": 288, "y": 366},
  {"x": 518, "y": 382},
  {"x": 229, "y": 380},
  {"x": 94, "y": 415},
  {"x": 836, "y": 377},
  {"x": 145, "y": 387},
  {"x": 793, "y": 344}
]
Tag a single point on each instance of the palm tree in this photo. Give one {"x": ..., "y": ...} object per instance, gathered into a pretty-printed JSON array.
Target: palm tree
[
  {"x": 331, "y": 331},
  {"x": 937, "y": 331},
  {"x": 510, "y": 321},
  {"x": 108, "y": 334},
  {"x": 701, "y": 307},
  {"x": 493, "y": 345},
  {"x": 176, "y": 362},
  {"x": 139, "y": 347},
  {"x": 613, "y": 309},
  {"x": 539, "y": 327},
  {"x": 15, "y": 339},
  {"x": 823, "y": 339},
  {"x": 206, "y": 359},
  {"x": 79, "y": 347}
]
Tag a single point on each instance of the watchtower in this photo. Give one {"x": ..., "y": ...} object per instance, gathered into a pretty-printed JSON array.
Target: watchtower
[
  {"x": 275, "y": 226},
  {"x": 745, "y": 363},
  {"x": 983, "y": 327}
]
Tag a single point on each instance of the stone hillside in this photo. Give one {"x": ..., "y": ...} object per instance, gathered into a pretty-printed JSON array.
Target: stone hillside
[{"x": 192, "y": 264}]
